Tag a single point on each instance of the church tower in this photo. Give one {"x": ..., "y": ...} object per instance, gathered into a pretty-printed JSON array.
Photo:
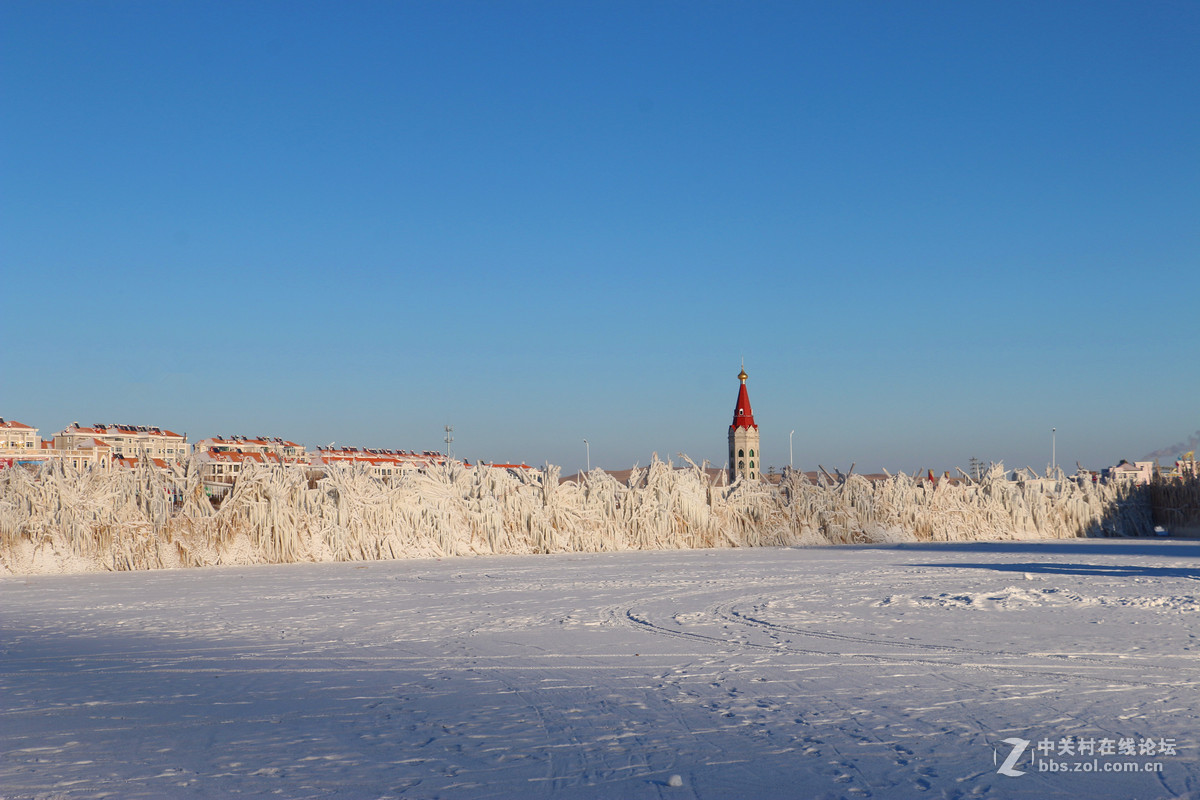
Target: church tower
[{"x": 745, "y": 461}]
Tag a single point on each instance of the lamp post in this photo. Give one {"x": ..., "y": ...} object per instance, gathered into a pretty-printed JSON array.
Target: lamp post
[
  {"x": 589, "y": 454},
  {"x": 790, "y": 449},
  {"x": 1053, "y": 454}
]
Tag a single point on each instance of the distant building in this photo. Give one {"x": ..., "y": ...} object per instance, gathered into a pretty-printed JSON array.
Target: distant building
[
  {"x": 20, "y": 445},
  {"x": 127, "y": 441},
  {"x": 222, "y": 459},
  {"x": 1186, "y": 465},
  {"x": 220, "y": 469},
  {"x": 18, "y": 436},
  {"x": 382, "y": 463},
  {"x": 504, "y": 466},
  {"x": 1139, "y": 472},
  {"x": 745, "y": 459},
  {"x": 287, "y": 451},
  {"x": 85, "y": 453},
  {"x": 129, "y": 462}
]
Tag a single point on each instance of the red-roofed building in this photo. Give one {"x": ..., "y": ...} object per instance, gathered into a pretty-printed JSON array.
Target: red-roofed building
[
  {"x": 288, "y": 451},
  {"x": 21, "y": 445},
  {"x": 383, "y": 463},
  {"x": 745, "y": 460},
  {"x": 85, "y": 453},
  {"x": 18, "y": 436},
  {"x": 219, "y": 469},
  {"x": 127, "y": 441},
  {"x": 128, "y": 462}
]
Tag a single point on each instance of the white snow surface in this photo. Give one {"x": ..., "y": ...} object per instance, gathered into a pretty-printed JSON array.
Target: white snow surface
[{"x": 835, "y": 672}]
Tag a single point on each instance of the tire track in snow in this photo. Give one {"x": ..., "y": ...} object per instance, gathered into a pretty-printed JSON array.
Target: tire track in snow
[
  {"x": 731, "y": 613},
  {"x": 630, "y": 616}
]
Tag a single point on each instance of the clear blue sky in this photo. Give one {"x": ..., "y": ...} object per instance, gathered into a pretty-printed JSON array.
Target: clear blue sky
[{"x": 932, "y": 230}]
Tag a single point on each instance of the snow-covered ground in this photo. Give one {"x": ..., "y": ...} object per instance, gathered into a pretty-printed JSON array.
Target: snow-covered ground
[{"x": 857, "y": 672}]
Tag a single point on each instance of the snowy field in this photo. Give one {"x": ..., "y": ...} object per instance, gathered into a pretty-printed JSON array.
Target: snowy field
[{"x": 855, "y": 672}]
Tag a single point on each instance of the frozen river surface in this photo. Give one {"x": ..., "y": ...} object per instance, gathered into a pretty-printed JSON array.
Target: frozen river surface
[{"x": 872, "y": 672}]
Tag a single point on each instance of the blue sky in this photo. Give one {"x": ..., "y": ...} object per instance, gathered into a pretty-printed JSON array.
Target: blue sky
[{"x": 932, "y": 230}]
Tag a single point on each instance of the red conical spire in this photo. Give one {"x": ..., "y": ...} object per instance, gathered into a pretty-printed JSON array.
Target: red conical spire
[{"x": 743, "y": 416}]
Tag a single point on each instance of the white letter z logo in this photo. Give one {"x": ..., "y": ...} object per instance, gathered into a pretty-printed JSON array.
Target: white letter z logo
[{"x": 1018, "y": 747}]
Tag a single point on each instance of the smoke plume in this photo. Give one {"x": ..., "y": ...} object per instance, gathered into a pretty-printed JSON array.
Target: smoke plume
[{"x": 1175, "y": 450}]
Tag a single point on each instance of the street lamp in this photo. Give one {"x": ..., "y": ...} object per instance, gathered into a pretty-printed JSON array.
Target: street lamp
[
  {"x": 790, "y": 449},
  {"x": 589, "y": 454}
]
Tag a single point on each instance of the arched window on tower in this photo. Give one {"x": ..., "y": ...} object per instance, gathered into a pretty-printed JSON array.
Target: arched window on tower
[
  {"x": 741, "y": 453},
  {"x": 741, "y": 465},
  {"x": 751, "y": 465},
  {"x": 752, "y": 454}
]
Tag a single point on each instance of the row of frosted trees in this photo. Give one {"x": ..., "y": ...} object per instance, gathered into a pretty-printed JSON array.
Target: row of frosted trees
[{"x": 60, "y": 519}]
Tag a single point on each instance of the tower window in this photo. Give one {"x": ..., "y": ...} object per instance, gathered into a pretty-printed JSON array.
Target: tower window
[
  {"x": 751, "y": 465},
  {"x": 752, "y": 454},
  {"x": 741, "y": 465}
]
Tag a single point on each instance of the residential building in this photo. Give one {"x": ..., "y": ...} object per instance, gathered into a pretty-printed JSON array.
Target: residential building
[
  {"x": 130, "y": 462},
  {"x": 382, "y": 463},
  {"x": 18, "y": 436},
  {"x": 128, "y": 441},
  {"x": 220, "y": 468},
  {"x": 1139, "y": 472},
  {"x": 288, "y": 451},
  {"x": 21, "y": 445},
  {"x": 83, "y": 454},
  {"x": 1186, "y": 465}
]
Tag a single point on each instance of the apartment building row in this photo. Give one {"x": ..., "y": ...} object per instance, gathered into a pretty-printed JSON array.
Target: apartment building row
[
  {"x": 84, "y": 446},
  {"x": 221, "y": 458}
]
